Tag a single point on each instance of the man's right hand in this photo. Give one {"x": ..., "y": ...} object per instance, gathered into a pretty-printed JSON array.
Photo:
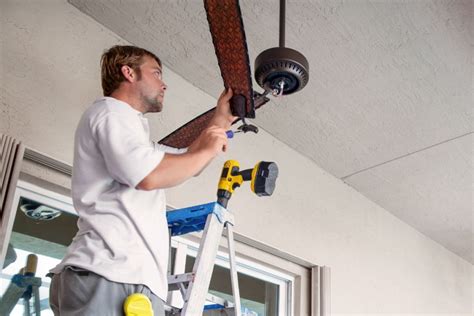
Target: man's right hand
[{"x": 213, "y": 140}]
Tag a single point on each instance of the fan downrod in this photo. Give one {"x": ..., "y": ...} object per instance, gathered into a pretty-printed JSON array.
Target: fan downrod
[{"x": 281, "y": 70}]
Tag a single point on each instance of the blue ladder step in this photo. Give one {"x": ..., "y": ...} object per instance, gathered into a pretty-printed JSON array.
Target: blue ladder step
[
  {"x": 190, "y": 219},
  {"x": 213, "y": 306}
]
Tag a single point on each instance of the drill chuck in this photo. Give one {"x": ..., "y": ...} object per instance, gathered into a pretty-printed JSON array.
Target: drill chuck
[{"x": 223, "y": 197}]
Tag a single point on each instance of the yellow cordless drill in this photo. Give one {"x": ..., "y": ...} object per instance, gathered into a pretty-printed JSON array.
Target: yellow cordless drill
[{"x": 263, "y": 177}]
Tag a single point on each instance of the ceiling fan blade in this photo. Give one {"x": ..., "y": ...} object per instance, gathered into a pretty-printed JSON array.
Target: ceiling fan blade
[
  {"x": 228, "y": 37},
  {"x": 186, "y": 134}
]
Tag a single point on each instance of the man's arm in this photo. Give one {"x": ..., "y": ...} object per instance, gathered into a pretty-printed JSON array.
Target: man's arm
[{"x": 177, "y": 168}]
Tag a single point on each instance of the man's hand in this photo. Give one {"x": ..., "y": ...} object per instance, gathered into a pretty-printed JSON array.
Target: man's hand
[
  {"x": 223, "y": 116},
  {"x": 212, "y": 140}
]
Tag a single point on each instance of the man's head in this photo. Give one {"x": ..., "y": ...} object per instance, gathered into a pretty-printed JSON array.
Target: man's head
[{"x": 140, "y": 70}]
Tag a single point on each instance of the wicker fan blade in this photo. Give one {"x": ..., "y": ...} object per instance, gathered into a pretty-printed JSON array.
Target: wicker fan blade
[
  {"x": 228, "y": 37},
  {"x": 186, "y": 134}
]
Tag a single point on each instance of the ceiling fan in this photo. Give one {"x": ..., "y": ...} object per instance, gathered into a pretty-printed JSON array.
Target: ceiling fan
[{"x": 278, "y": 70}]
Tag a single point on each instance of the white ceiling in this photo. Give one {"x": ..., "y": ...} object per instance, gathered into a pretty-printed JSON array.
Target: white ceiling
[{"x": 389, "y": 105}]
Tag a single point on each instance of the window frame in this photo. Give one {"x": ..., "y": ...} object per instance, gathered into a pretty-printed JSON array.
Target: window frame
[
  {"x": 302, "y": 297},
  {"x": 253, "y": 268},
  {"x": 38, "y": 194}
]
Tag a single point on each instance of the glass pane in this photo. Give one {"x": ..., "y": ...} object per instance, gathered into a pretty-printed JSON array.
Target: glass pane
[
  {"x": 258, "y": 297},
  {"x": 41, "y": 230}
]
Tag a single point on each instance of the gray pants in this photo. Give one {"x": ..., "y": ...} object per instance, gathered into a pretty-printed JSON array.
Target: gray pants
[{"x": 77, "y": 292}]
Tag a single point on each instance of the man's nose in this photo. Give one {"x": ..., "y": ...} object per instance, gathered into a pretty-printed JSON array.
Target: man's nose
[{"x": 164, "y": 87}]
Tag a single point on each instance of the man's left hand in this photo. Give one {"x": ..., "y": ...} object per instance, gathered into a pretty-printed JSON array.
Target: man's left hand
[{"x": 223, "y": 116}]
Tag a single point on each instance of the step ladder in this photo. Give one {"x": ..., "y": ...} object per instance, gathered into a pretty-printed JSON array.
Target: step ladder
[
  {"x": 194, "y": 286},
  {"x": 23, "y": 285}
]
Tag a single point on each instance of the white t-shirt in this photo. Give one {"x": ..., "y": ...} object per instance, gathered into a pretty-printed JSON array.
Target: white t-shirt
[{"x": 123, "y": 232}]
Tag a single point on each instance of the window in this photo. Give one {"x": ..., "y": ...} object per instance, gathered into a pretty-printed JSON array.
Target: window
[
  {"x": 264, "y": 290},
  {"x": 45, "y": 223},
  {"x": 269, "y": 284}
]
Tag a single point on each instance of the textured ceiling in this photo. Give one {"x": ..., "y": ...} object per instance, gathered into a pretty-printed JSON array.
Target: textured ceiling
[{"x": 388, "y": 108}]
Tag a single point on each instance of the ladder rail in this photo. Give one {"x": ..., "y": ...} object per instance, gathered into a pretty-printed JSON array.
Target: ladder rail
[
  {"x": 203, "y": 267},
  {"x": 198, "y": 281},
  {"x": 233, "y": 268}
]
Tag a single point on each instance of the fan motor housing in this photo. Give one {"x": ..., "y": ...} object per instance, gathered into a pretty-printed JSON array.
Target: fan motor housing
[{"x": 281, "y": 64}]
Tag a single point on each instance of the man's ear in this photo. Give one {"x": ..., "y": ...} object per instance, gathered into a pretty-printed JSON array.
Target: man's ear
[{"x": 128, "y": 73}]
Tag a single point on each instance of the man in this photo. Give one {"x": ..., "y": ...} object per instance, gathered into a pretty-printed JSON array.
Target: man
[{"x": 117, "y": 189}]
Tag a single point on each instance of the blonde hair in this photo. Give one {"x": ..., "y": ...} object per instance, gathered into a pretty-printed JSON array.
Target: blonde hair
[{"x": 116, "y": 57}]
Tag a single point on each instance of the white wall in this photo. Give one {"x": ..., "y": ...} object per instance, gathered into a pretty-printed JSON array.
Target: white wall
[{"x": 50, "y": 73}]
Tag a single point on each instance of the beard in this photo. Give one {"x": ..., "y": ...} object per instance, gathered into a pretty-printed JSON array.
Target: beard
[{"x": 152, "y": 103}]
